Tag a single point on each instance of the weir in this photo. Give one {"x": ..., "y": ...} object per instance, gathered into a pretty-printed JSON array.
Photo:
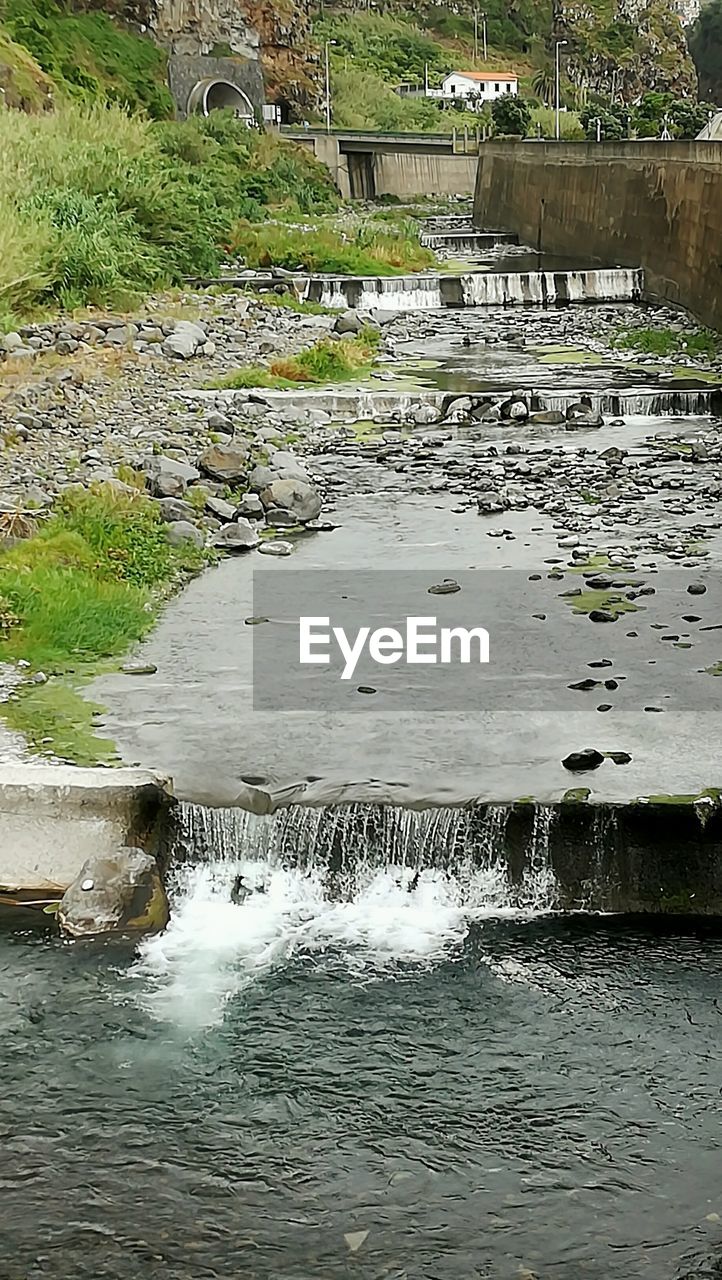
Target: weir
[
  {"x": 570, "y": 856},
  {"x": 479, "y": 289}
]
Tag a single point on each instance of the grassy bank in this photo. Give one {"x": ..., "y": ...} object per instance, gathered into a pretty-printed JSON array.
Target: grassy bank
[
  {"x": 368, "y": 249},
  {"x": 330, "y": 360},
  {"x": 76, "y": 594},
  {"x": 95, "y": 203}
]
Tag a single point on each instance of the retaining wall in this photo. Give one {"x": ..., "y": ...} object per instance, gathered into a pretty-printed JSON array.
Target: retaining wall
[
  {"x": 54, "y": 817},
  {"x": 655, "y": 205}
]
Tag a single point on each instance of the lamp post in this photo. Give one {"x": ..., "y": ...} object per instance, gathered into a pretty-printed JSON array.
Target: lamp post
[
  {"x": 483, "y": 32},
  {"x": 328, "y": 85},
  {"x": 557, "y": 47}
]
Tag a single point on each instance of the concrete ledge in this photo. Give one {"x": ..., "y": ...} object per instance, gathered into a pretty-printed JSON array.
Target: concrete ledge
[{"x": 54, "y": 817}]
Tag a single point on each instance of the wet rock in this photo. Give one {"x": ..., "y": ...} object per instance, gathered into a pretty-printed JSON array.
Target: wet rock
[
  {"x": 516, "y": 409},
  {"x": 280, "y": 518},
  {"x": 227, "y": 463},
  {"x": 548, "y": 417},
  {"x": 425, "y": 415},
  {"x": 581, "y": 414},
  {"x": 237, "y": 536},
  {"x": 181, "y": 533},
  {"x": 287, "y": 466},
  {"x": 696, "y": 589},
  {"x": 260, "y": 478},
  {"x": 446, "y": 588},
  {"x": 276, "y": 548},
  {"x": 120, "y": 894},
  {"x": 602, "y": 615},
  {"x": 490, "y": 503},
  {"x": 139, "y": 668},
  {"x": 619, "y": 757},
  {"x": 298, "y": 497},
  {"x": 579, "y": 761}
]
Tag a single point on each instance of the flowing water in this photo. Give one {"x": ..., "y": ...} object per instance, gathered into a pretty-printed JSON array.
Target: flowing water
[
  {"x": 372, "y": 1066},
  {"x": 487, "y": 288}
]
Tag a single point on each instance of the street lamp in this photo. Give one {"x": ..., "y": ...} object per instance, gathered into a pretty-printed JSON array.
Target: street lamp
[
  {"x": 557, "y": 47},
  {"x": 328, "y": 86},
  {"x": 483, "y": 29}
]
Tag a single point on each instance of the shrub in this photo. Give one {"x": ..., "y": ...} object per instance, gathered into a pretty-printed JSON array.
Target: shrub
[{"x": 511, "y": 115}]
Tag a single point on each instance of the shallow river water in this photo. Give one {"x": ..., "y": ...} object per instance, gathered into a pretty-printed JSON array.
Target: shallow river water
[{"x": 386, "y": 1086}]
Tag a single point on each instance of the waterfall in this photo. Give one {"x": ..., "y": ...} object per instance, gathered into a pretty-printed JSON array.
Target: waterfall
[
  {"x": 465, "y": 240},
  {"x": 346, "y": 844},
  {"x": 480, "y": 289}
]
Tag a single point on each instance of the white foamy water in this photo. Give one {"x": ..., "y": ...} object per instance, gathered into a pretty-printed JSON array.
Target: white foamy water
[{"x": 213, "y": 948}]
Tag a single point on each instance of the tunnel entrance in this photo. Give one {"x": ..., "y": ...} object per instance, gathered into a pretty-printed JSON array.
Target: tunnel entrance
[{"x": 220, "y": 95}]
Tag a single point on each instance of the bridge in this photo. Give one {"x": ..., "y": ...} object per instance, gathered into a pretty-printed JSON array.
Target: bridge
[{"x": 368, "y": 164}]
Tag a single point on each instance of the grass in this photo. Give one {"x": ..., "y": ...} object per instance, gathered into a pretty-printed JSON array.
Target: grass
[
  {"x": 84, "y": 587},
  {"x": 667, "y": 342},
  {"x": 288, "y": 302},
  {"x": 55, "y": 720},
  {"x": 330, "y": 360},
  {"x": 370, "y": 250},
  {"x": 95, "y": 203}
]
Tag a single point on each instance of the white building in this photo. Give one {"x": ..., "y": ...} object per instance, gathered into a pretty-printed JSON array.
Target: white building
[{"x": 483, "y": 86}]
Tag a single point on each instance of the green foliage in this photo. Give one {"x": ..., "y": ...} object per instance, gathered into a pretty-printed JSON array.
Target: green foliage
[
  {"x": 544, "y": 85},
  {"x": 393, "y": 48},
  {"x": 55, "y": 720},
  {"x": 363, "y": 100},
  {"x": 667, "y": 342},
  {"x": 81, "y": 588},
  {"x": 511, "y": 115},
  {"x": 372, "y": 249},
  {"x": 543, "y": 124},
  {"x": 612, "y": 124},
  {"x": 705, "y": 45},
  {"x": 95, "y": 203},
  {"x": 289, "y": 302},
  {"x": 90, "y": 57},
  {"x": 330, "y": 360}
]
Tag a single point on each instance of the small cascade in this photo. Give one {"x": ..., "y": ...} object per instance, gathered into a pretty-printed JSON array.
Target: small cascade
[
  {"x": 479, "y": 289},
  {"x": 464, "y": 240},
  {"x": 643, "y": 403},
  {"x": 347, "y": 844},
  {"x": 547, "y": 288}
]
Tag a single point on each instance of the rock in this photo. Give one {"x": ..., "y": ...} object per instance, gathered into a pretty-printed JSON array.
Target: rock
[
  {"x": 221, "y": 509},
  {"x": 153, "y": 467},
  {"x": 548, "y": 417},
  {"x": 260, "y": 478},
  {"x": 227, "y": 463},
  {"x": 185, "y": 340},
  {"x": 381, "y": 317},
  {"x": 424, "y": 415},
  {"x": 219, "y": 422},
  {"x": 167, "y": 485},
  {"x": 515, "y": 409},
  {"x": 578, "y": 761},
  {"x": 172, "y": 509},
  {"x": 349, "y": 322},
  {"x": 120, "y": 894},
  {"x": 181, "y": 532},
  {"x": 275, "y": 548},
  {"x": 696, "y": 589},
  {"x": 280, "y": 518},
  {"x": 12, "y": 342},
  {"x": 139, "y": 668},
  {"x": 446, "y": 588},
  {"x": 286, "y": 466},
  {"x": 298, "y": 497},
  {"x": 490, "y": 503},
  {"x": 237, "y": 536},
  {"x": 122, "y": 335},
  {"x": 250, "y": 507},
  {"x": 619, "y": 757},
  {"x": 602, "y": 615}
]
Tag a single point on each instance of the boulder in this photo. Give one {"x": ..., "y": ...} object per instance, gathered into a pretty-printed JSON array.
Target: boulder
[
  {"x": 11, "y": 342},
  {"x": 298, "y": 497},
  {"x": 250, "y": 507},
  {"x": 221, "y": 509},
  {"x": 160, "y": 462},
  {"x": 119, "y": 894},
  {"x": 349, "y": 322},
  {"x": 260, "y": 478},
  {"x": 425, "y": 415},
  {"x": 579, "y": 761},
  {"x": 276, "y": 548},
  {"x": 227, "y": 463},
  {"x": 237, "y": 536},
  {"x": 515, "y": 409},
  {"x": 185, "y": 340},
  {"x": 549, "y": 417},
  {"x": 181, "y": 532},
  {"x": 287, "y": 466},
  {"x": 172, "y": 509}
]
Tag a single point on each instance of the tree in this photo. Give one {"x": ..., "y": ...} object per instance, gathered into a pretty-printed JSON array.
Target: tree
[
  {"x": 689, "y": 118},
  {"x": 544, "y": 86},
  {"x": 511, "y": 115},
  {"x": 705, "y": 45},
  {"x": 613, "y": 123}
]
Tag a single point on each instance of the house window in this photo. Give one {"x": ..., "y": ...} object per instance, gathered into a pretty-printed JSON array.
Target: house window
[{"x": 497, "y": 88}]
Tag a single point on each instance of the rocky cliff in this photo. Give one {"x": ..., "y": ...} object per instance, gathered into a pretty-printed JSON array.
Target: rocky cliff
[{"x": 625, "y": 48}]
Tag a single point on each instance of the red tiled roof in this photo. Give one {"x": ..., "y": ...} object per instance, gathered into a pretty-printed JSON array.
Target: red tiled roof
[{"x": 484, "y": 75}]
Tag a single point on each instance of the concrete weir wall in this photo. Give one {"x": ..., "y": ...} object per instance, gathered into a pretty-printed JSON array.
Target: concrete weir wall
[
  {"x": 656, "y": 205},
  {"x": 366, "y": 174},
  {"x": 54, "y": 817}
]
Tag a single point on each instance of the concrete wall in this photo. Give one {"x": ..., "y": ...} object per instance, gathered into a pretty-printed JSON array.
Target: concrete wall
[
  {"x": 406, "y": 174},
  {"x": 54, "y": 817},
  {"x": 655, "y": 205},
  {"x": 185, "y": 71}
]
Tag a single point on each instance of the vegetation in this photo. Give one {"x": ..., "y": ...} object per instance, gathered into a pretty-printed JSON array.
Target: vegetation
[
  {"x": 682, "y": 118},
  {"x": 511, "y": 115},
  {"x": 668, "y": 342},
  {"x": 289, "y": 302},
  {"x": 705, "y": 45},
  {"x": 94, "y": 202},
  {"x": 330, "y": 360},
  {"x": 90, "y": 57},
  {"x": 372, "y": 249},
  {"x": 83, "y": 587}
]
